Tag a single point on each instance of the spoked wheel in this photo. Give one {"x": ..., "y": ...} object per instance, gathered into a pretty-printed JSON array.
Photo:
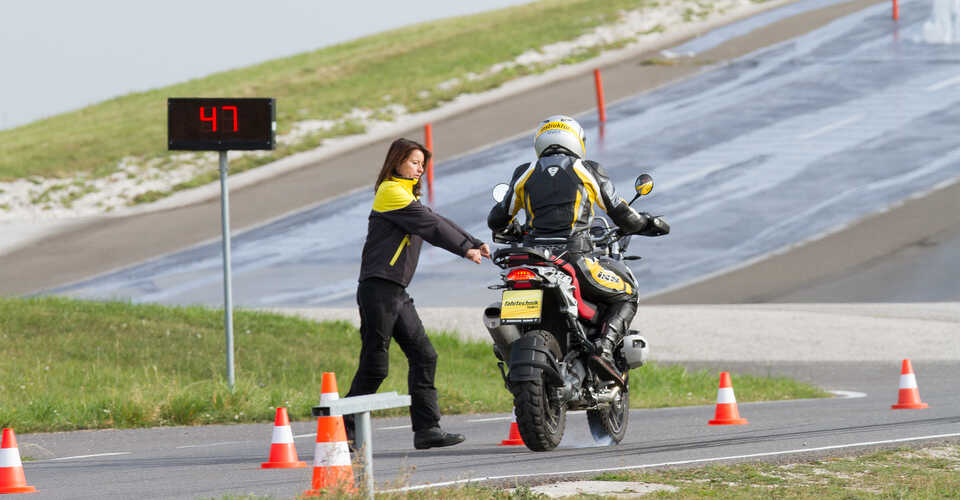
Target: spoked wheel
[
  {"x": 609, "y": 425},
  {"x": 540, "y": 419}
]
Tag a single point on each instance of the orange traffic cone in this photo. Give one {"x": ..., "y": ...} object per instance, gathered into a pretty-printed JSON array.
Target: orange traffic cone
[
  {"x": 514, "y": 439},
  {"x": 328, "y": 388},
  {"x": 331, "y": 460},
  {"x": 727, "y": 413},
  {"x": 909, "y": 394},
  {"x": 283, "y": 454},
  {"x": 12, "y": 479}
]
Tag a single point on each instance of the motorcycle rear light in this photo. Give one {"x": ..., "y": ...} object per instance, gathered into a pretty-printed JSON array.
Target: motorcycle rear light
[{"x": 521, "y": 275}]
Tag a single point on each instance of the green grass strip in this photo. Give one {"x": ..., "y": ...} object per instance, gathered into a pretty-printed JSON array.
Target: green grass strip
[{"x": 71, "y": 364}]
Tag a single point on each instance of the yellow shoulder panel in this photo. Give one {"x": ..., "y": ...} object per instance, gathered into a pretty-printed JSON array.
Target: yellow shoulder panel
[{"x": 391, "y": 196}]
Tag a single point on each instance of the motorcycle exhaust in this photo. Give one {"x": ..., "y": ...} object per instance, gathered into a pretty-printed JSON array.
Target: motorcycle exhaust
[{"x": 503, "y": 335}]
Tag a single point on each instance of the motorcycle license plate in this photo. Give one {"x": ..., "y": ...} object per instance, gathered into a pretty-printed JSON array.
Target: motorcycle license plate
[{"x": 521, "y": 306}]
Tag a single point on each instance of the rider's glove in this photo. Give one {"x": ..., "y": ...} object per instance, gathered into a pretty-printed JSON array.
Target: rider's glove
[{"x": 656, "y": 227}]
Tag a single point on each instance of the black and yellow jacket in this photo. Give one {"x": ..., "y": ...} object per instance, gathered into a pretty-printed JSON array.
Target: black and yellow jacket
[
  {"x": 398, "y": 225},
  {"x": 558, "y": 193}
]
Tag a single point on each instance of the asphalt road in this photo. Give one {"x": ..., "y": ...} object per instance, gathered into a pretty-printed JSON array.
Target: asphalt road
[{"x": 210, "y": 461}]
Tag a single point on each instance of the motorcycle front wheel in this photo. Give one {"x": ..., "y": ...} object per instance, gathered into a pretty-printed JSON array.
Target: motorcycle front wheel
[
  {"x": 609, "y": 425},
  {"x": 540, "y": 420}
]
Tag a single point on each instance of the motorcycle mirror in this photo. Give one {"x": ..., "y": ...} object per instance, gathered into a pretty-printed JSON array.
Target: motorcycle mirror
[
  {"x": 500, "y": 192},
  {"x": 643, "y": 184}
]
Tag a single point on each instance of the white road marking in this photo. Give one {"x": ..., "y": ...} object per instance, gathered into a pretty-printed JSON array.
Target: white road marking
[
  {"x": 678, "y": 462},
  {"x": 304, "y": 435},
  {"x": 849, "y": 394},
  {"x": 408, "y": 426},
  {"x": 209, "y": 444},
  {"x": 91, "y": 456},
  {"x": 946, "y": 83},
  {"x": 494, "y": 419},
  {"x": 832, "y": 126}
]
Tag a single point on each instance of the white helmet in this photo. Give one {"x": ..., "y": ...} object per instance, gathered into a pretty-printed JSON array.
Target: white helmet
[{"x": 560, "y": 132}]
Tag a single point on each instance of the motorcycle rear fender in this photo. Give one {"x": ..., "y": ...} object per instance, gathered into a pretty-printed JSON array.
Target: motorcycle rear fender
[{"x": 529, "y": 358}]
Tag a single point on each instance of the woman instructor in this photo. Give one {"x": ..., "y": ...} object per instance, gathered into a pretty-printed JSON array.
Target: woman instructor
[{"x": 398, "y": 224}]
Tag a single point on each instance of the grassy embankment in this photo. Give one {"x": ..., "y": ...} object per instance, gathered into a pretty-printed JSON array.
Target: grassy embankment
[
  {"x": 403, "y": 66},
  {"x": 75, "y": 365},
  {"x": 905, "y": 473}
]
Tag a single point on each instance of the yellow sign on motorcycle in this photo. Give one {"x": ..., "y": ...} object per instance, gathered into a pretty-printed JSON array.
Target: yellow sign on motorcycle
[{"x": 521, "y": 306}]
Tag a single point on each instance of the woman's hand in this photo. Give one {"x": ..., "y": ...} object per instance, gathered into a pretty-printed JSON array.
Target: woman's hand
[
  {"x": 475, "y": 255},
  {"x": 485, "y": 250}
]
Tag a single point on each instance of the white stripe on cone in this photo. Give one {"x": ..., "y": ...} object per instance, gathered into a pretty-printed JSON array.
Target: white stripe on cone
[
  {"x": 331, "y": 454},
  {"x": 908, "y": 381},
  {"x": 725, "y": 396},
  {"x": 10, "y": 457},
  {"x": 282, "y": 434}
]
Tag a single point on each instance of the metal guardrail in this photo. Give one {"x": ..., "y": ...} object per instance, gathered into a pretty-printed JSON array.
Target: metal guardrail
[{"x": 363, "y": 439}]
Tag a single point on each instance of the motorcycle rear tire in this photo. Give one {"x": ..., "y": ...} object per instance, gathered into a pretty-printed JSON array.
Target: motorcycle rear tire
[
  {"x": 609, "y": 425},
  {"x": 541, "y": 422}
]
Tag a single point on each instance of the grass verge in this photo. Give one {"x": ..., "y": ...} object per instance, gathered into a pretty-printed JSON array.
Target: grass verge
[
  {"x": 73, "y": 364},
  {"x": 932, "y": 472}
]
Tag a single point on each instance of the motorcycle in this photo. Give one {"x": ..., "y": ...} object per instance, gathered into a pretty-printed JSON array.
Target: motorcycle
[{"x": 543, "y": 329}]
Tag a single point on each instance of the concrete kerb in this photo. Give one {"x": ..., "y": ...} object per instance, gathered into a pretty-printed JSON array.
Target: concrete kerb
[{"x": 754, "y": 332}]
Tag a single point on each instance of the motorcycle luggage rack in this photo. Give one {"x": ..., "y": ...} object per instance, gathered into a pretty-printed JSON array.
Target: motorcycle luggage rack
[{"x": 518, "y": 256}]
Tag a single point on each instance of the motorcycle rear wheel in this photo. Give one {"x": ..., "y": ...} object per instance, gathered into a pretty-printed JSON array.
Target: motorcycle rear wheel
[
  {"x": 609, "y": 425},
  {"x": 541, "y": 422}
]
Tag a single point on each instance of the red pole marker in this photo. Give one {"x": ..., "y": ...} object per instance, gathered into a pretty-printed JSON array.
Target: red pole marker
[
  {"x": 598, "y": 81},
  {"x": 428, "y": 131},
  {"x": 896, "y": 10}
]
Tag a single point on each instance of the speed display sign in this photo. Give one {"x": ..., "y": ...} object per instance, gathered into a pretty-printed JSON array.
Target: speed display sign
[{"x": 220, "y": 124}]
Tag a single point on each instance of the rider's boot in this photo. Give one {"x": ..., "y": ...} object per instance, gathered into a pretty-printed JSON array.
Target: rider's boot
[{"x": 620, "y": 316}]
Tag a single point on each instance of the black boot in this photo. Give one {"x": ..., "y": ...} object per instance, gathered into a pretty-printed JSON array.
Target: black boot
[
  {"x": 618, "y": 320},
  {"x": 604, "y": 363},
  {"x": 435, "y": 438}
]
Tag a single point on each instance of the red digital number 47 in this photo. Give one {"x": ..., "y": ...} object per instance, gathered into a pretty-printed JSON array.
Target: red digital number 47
[{"x": 213, "y": 116}]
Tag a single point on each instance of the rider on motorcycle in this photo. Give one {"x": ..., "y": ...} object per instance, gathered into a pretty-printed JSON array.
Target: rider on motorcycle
[{"x": 558, "y": 193}]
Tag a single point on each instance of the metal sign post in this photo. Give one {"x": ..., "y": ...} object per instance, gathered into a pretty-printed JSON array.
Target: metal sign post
[
  {"x": 222, "y": 124},
  {"x": 227, "y": 283}
]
